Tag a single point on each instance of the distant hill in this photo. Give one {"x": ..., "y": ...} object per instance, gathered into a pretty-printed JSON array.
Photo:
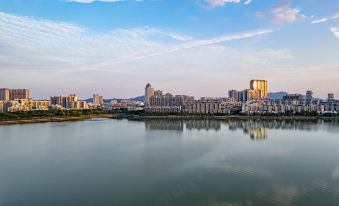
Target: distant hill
[
  {"x": 89, "y": 100},
  {"x": 139, "y": 98},
  {"x": 276, "y": 95}
]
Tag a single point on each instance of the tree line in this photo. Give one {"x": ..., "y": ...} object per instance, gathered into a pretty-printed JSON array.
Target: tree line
[{"x": 49, "y": 114}]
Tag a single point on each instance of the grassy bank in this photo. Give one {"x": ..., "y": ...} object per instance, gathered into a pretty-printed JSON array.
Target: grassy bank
[{"x": 23, "y": 117}]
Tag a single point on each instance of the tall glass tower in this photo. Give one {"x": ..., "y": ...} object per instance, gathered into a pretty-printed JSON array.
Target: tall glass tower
[{"x": 260, "y": 88}]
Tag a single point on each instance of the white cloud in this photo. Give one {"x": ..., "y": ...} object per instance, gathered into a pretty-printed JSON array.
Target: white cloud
[
  {"x": 217, "y": 3},
  {"x": 91, "y": 1},
  {"x": 335, "y": 31},
  {"x": 247, "y": 2},
  {"x": 335, "y": 16},
  {"x": 208, "y": 42},
  {"x": 61, "y": 41},
  {"x": 284, "y": 13},
  {"x": 40, "y": 52},
  {"x": 318, "y": 21},
  {"x": 325, "y": 19}
]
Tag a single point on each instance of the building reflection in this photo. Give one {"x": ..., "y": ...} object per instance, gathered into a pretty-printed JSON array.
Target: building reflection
[
  {"x": 179, "y": 125},
  {"x": 256, "y": 129},
  {"x": 307, "y": 124},
  {"x": 157, "y": 124},
  {"x": 259, "y": 133},
  {"x": 203, "y": 125}
]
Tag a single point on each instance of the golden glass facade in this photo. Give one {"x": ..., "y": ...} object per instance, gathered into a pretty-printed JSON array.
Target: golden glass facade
[{"x": 260, "y": 88}]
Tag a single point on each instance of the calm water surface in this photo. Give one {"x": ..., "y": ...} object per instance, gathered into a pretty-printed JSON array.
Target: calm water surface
[{"x": 165, "y": 163}]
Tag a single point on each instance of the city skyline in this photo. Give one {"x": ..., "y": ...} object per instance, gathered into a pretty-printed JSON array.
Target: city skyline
[
  {"x": 230, "y": 93},
  {"x": 255, "y": 100},
  {"x": 200, "y": 47}
]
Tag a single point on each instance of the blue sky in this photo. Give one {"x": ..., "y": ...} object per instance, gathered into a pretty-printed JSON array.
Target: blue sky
[{"x": 198, "y": 47}]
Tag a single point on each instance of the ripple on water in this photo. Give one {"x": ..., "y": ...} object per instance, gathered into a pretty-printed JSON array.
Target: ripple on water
[{"x": 280, "y": 195}]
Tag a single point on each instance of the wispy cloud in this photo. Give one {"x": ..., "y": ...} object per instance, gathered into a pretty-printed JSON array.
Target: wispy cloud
[
  {"x": 206, "y": 42},
  {"x": 39, "y": 48},
  {"x": 247, "y": 2},
  {"x": 219, "y": 3},
  {"x": 318, "y": 21},
  {"x": 66, "y": 41},
  {"x": 91, "y": 1},
  {"x": 335, "y": 31},
  {"x": 281, "y": 13},
  {"x": 325, "y": 19},
  {"x": 335, "y": 16},
  {"x": 285, "y": 13}
]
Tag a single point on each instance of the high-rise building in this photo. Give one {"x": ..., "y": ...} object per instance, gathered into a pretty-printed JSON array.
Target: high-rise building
[
  {"x": 158, "y": 93},
  {"x": 149, "y": 92},
  {"x": 97, "y": 99},
  {"x": 234, "y": 94},
  {"x": 250, "y": 94},
  {"x": 18, "y": 94},
  {"x": 2, "y": 106},
  {"x": 13, "y": 94},
  {"x": 69, "y": 102},
  {"x": 59, "y": 100},
  {"x": 101, "y": 100},
  {"x": 330, "y": 97},
  {"x": 4, "y": 94},
  {"x": 260, "y": 88},
  {"x": 309, "y": 95},
  {"x": 246, "y": 95}
]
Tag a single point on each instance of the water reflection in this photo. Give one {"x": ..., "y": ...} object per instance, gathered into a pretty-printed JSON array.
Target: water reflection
[
  {"x": 309, "y": 125},
  {"x": 176, "y": 125},
  {"x": 203, "y": 125},
  {"x": 256, "y": 129},
  {"x": 171, "y": 162}
]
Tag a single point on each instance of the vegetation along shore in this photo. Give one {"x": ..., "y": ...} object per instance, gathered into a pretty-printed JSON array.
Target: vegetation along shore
[{"x": 23, "y": 117}]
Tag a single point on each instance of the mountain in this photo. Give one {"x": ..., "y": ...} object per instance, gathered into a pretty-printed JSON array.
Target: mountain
[
  {"x": 89, "y": 100},
  {"x": 276, "y": 95},
  {"x": 139, "y": 98}
]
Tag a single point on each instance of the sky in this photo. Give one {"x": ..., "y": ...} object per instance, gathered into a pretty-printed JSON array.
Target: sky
[{"x": 195, "y": 47}]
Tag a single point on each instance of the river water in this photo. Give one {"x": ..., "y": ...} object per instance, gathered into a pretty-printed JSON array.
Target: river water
[{"x": 170, "y": 163}]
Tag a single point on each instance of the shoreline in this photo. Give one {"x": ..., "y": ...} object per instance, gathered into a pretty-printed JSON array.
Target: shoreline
[
  {"x": 163, "y": 117},
  {"x": 230, "y": 117},
  {"x": 53, "y": 119}
]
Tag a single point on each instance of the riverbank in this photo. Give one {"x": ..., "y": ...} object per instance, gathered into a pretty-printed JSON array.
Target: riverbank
[
  {"x": 163, "y": 117},
  {"x": 53, "y": 119},
  {"x": 226, "y": 117}
]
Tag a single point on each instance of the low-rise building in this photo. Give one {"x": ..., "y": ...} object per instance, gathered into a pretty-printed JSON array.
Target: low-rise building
[
  {"x": 289, "y": 105},
  {"x": 68, "y": 102},
  {"x": 25, "y": 105},
  {"x": 130, "y": 105},
  {"x": 156, "y": 101},
  {"x": 209, "y": 106},
  {"x": 166, "y": 109},
  {"x": 169, "y": 100}
]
